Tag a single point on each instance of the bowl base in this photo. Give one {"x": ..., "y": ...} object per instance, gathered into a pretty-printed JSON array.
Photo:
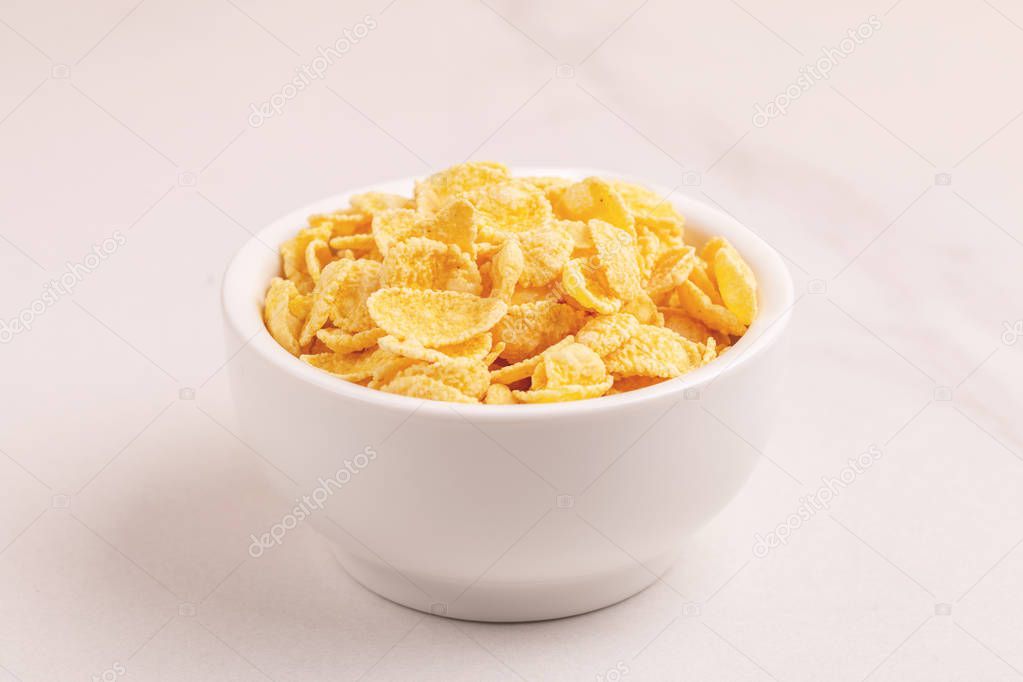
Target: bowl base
[{"x": 500, "y": 602}]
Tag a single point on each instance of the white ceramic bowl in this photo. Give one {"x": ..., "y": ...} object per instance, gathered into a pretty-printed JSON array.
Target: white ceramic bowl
[{"x": 504, "y": 513}]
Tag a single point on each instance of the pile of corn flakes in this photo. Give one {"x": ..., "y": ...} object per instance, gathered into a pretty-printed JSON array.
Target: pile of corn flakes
[{"x": 485, "y": 287}]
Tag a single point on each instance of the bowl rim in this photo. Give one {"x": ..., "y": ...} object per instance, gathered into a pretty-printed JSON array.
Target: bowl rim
[{"x": 242, "y": 303}]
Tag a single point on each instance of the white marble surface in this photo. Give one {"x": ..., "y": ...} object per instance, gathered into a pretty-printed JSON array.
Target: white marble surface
[{"x": 127, "y": 506}]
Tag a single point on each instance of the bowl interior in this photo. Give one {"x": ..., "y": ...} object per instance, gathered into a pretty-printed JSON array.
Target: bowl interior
[{"x": 249, "y": 274}]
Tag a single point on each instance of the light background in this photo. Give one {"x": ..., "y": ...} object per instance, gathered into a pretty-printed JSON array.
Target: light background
[{"x": 892, "y": 188}]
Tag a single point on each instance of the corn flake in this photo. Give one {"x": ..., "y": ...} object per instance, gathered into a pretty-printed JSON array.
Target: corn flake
[
  {"x": 529, "y": 328},
  {"x": 700, "y": 275},
  {"x": 498, "y": 394},
  {"x": 654, "y": 352},
  {"x": 681, "y": 322},
  {"x": 394, "y": 225},
  {"x": 455, "y": 223},
  {"x": 434, "y": 318},
  {"x": 545, "y": 251},
  {"x": 351, "y": 366},
  {"x": 495, "y": 352},
  {"x": 669, "y": 231},
  {"x": 340, "y": 223},
  {"x": 594, "y": 198},
  {"x": 648, "y": 250},
  {"x": 340, "y": 342},
  {"x": 388, "y": 367},
  {"x": 470, "y": 377},
  {"x": 644, "y": 203},
  {"x": 510, "y": 207},
  {"x": 605, "y": 334},
  {"x": 315, "y": 252},
  {"x": 580, "y": 282},
  {"x": 572, "y": 365},
  {"x": 293, "y": 256},
  {"x": 426, "y": 388},
  {"x": 327, "y": 286},
  {"x": 616, "y": 258},
  {"x": 671, "y": 269},
  {"x": 372, "y": 203},
  {"x": 282, "y": 323},
  {"x": 300, "y": 304},
  {"x": 357, "y": 280},
  {"x": 420, "y": 263},
  {"x": 645, "y": 310},
  {"x": 477, "y": 348},
  {"x": 711, "y": 247},
  {"x": 563, "y": 393},
  {"x": 736, "y": 283},
  {"x": 518, "y": 371},
  {"x": 709, "y": 350},
  {"x": 694, "y": 301},
  {"x": 435, "y": 191},
  {"x": 506, "y": 270},
  {"x": 579, "y": 231}
]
